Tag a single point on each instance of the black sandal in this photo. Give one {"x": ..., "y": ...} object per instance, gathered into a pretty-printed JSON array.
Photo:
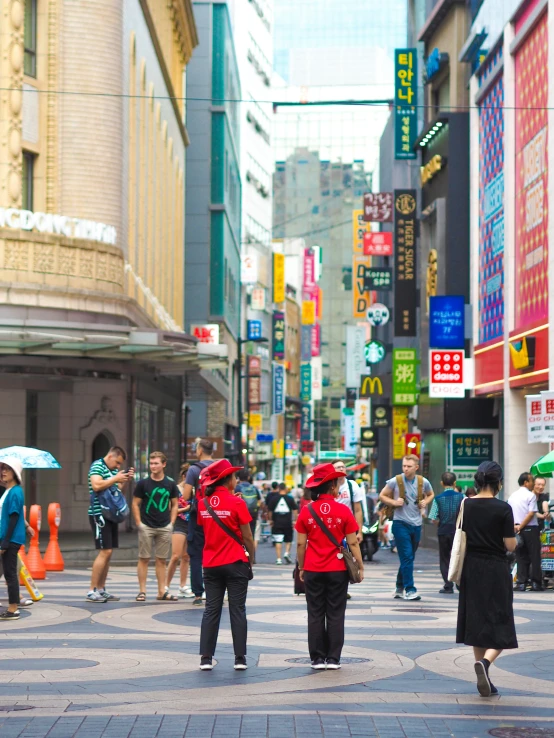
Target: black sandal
[
  {"x": 168, "y": 597},
  {"x": 141, "y": 597}
]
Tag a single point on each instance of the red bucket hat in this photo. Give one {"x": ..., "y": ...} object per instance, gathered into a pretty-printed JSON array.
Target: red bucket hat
[
  {"x": 323, "y": 473},
  {"x": 215, "y": 472}
]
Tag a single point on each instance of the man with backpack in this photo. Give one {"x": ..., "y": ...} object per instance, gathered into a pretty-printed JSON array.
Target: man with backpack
[
  {"x": 195, "y": 537},
  {"x": 407, "y": 496},
  {"x": 282, "y": 514},
  {"x": 103, "y": 475},
  {"x": 252, "y": 496}
]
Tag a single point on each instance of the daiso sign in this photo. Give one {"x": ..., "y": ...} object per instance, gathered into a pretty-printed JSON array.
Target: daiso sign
[{"x": 446, "y": 374}]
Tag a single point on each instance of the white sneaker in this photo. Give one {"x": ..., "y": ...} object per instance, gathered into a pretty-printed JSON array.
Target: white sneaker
[
  {"x": 185, "y": 592},
  {"x": 279, "y": 561},
  {"x": 204, "y": 596},
  {"x": 412, "y": 595},
  {"x": 398, "y": 594}
]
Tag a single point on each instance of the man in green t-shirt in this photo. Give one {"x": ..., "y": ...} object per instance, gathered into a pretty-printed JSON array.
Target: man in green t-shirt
[{"x": 104, "y": 473}]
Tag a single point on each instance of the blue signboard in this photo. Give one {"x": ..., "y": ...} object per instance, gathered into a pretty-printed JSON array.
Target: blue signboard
[
  {"x": 278, "y": 388},
  {"x": 264, "y": 437},
  {"x": 253, "y": 329},
  {"x": 446, "y": 322}
]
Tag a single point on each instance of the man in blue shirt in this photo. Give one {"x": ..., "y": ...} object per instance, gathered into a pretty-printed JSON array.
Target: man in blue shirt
[
  {"x": 444, "y": 512},
  {"x": 12, "y": 532}
]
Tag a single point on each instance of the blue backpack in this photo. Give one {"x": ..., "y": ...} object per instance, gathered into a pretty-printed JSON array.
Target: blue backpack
[{"x": 114, "y": 505}]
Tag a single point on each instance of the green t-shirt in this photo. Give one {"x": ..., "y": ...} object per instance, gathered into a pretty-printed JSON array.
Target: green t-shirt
[{"x": 98, "y": 468}]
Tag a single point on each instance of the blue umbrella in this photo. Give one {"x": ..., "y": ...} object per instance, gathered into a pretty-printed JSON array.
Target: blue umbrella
[{"x": 31, "y": 458}]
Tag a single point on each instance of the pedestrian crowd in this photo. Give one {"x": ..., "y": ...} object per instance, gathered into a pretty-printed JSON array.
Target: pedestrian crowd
[{"x": 208, "y": 525}]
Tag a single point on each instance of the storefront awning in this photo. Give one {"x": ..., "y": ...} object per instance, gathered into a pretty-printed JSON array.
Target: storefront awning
[{"x": 169, "y": 353}]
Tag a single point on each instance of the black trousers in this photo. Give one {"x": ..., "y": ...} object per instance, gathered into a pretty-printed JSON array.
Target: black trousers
[
  {"x": 326, "y": 600},
  {"x": 9, "y": 563},
  {"x": 195, "y": 548},
  {"x": 217, "y": 579},
  {"x": 445, "y": 549},
  {"x": 528, "y": 556}
]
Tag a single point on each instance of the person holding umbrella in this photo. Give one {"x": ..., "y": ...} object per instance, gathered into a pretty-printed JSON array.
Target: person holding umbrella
[
  {"x": 227, "y": 559},
  {"x": 12, "y": 531},
  {"x": 321, "y": 565}
]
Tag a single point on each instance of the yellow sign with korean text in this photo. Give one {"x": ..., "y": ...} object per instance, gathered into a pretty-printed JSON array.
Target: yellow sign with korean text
[
  {"x": 308, "y": 312},
  {"x": 255, "y": 422},
  {"x": 278, "y": 278},
  {"x": 359, "y": 227},
  {"x": 278, "y": 448},
  {"x": 399, "y": 429},
  {"x": 360, "y": 298}
]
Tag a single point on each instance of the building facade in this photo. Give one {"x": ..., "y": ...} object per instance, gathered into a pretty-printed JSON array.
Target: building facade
[{"x": 91, "y": 236}]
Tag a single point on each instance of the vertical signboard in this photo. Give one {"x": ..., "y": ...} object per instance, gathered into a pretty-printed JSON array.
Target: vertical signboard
[
  {"x": 308, "y": 312},
  {"x": 305, "y": 382},
  {"x": 278, "y": 389},
  {"x": 306, "y": 342},
  {"x": 531, "y": 186},
  {"x": 360, "y": 298},
  {"x": 359, "y": 227},
  {"x": 306, "y": 422},
  {"x": 491, "y": 206},
  {"x": 348, "y": 422},
  {"x": 378, "y": 207},
  {"x": 534, "y": 418},
  {"x": 316, "y": 340},
  {"x": 309, "y": 281},
  {"x": 278, "y": 278},
  {"x": 446, "y": 374},
  {"x": 355, "y": 355},
  {"x": 405, "y": 292},
  {"x": 362, "y": 416},
  {"x": 399, "y": 429},
  {"x": 317, "y": 378},
  {"x": 404, "y": 377},
  {"x": 278, "y": 335},
  {"x": 257, "y": 298},
  {"x": 405, "y": 102},
  {"x": 446, "y": 322}
]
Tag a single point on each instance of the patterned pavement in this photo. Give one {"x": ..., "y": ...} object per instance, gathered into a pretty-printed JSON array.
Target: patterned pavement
[{"x": 70, "y": 668}]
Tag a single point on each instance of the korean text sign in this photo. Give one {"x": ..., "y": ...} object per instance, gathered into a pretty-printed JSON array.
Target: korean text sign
[
  {"x": 446, "y": 373},
  {"x": 278, "y": 335},
  {"x": 405, "y": 102},
  {"x": 405, "y": 292},
  {"x": 446, "y": 322},
  {"x": 400, "y": 427},
  {"x": 305, "y": 382},
  {"x": 404, "y": 377},
  {"x": 278, "y": 389},
  {"x": 378, "y": 278},
  {"x": 278, "y": 278},
  {"x": 471, "y": 449},
  {"x": 378, "y": 207},
  {"x": 378, "y": 243},
  {"x": 359, "y": 227}
]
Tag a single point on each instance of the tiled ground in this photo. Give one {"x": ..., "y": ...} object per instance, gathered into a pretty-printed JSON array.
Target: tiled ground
[{"x": 69, "y": 668}]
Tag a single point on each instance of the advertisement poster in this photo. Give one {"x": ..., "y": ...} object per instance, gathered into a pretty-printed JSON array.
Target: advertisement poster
[
  {"x": 405, "y": 290},
  {"x": 491, "y": 207},
  {"x": 531, "y": 216}
]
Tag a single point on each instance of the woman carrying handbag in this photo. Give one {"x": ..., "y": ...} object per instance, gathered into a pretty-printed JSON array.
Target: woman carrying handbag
[
  {"x": 485, "y": 608},
  {"x": 322, "y": 525},
  {"x": 227, "y": 559}
]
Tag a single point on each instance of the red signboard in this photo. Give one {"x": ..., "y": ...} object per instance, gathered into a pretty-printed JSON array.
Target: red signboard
[
  {"x": 309, "y": 269},
  {"x": 412, "y": 444},
  {"x": 316, "y": 339},
  {"x": 378, "y": 207},
  {"x": 446, "y": 370},
  {"x": 377, "y": 244},
  {"x": 308, "y": 446}
]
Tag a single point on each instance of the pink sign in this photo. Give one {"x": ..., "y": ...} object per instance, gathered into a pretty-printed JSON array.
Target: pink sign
[
  {"x": 316, "y": 339},
  {"x": 377, "y": 244},
  {"x": 309, "y": 269}
]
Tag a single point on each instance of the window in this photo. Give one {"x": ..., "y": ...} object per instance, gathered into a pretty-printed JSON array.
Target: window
[
  {"x": 27, "y": 181},
  {"x": 30, "y": 38}
]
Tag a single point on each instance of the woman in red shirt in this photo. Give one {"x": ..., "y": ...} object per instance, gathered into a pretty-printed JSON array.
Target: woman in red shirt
[
  {"x": 322, "y": 568},
  {"x": 228, "y": 548}
]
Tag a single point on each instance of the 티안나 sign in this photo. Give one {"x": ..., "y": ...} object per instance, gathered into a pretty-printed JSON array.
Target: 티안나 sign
[
  {"x": 446, "y": 373},
  {"x": 378, "y": 314},
  {"x": 278, "y": 335},
  {"x": 375, "y": 352},
  {"x": 404, "y": 377},
  {"x": 446, "y": 322},
  {"x": 471, "y": 449},
  {"x": 378, "y": 207},
  {"x": 378, "y": 278},
  {"x": 405, "y": 102},
  {"x": 378, "y": 243},
  {"x": 405, "y": 291}
]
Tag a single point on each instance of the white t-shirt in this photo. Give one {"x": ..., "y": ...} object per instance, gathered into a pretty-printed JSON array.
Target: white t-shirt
[
  {"x": 522, "y": 502},
  {"x": 344, "y": 494}
]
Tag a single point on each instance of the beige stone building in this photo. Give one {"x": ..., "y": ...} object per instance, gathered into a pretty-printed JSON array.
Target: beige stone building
[{"x": 92, "y": 154}]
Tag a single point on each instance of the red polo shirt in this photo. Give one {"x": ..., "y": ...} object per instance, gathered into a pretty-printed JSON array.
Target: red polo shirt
[
  {"x": 220, "y": 548},
  {"x": 321, "y": 555}
]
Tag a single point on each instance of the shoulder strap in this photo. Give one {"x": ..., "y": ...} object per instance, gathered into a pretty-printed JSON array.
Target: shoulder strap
[
  {"x": 401, "y": 487},
  {"x": 460, "y": 520},
  {"x": 323, "y": 527},
  {"x": 351, "y": 490},
  {"x": 419, "y": 488},
  {"x": 221, "y": 524}
]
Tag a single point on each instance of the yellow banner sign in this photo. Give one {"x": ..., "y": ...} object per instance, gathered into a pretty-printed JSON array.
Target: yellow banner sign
[
  {"x": 359, "y": 227},
  {"x": 399, "y": 430},
  {"x": 308, "y": 312},
  {"x": 278, "y": 278},
  {"x": 256, "y": 422},
  {"x": 360, "y": 298},
  {"x": 278, "y": 448}
]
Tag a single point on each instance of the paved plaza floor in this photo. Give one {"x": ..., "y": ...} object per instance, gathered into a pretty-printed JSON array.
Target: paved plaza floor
[{"x": 70, "y": 668}]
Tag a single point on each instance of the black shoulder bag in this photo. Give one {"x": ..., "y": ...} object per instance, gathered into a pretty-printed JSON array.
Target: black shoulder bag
[
  {"x": 230, "y": 533},
  {"x": 344, "y": 553}
]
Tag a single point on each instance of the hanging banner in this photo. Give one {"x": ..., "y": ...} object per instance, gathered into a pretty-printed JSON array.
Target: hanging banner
[
  {"x": 446, "y": 374},
  {"x": 305, "y": 342},
  {"x": 355, "y": 354},
  {"x": 305, "y": 382},
  {"x": 350, "y": 441},
  {"x": 309, "y": 281},
  {"x": 316, "y": 340},
  {"x": 405, "y": 102},
  {"x": 360, "y": 299},
  {"x": 359, "y": 227},
  {"x": 378, "y": 244},
  {"x": 405, "y": 292},
  {"x": 306, "y": 422},
  {"x": 257, "y": 299},
  {"x": 399, "y": 429},
  {"x": 278, "y": 278},
  {"x": 362, "y": 415},
  {"x": 534, "y": 418},
  {"x": 404, "y": 377},
  {"x": 255, "y": 423},
  {"x": 378, "y": 207},
  {"x": 317, "y": 378},
  {"x": 279, "y": 380},
  {"x": 308, "y": 312},
  {"x": 278, "y": 335},
  {"x": 547, "y": 425},
  {"x": 249, "y": 269}
]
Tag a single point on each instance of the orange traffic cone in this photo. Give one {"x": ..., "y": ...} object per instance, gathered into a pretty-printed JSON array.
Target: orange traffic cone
[
  {"x": 53, "y": 559},
  {"x": 35, "y": 564}
]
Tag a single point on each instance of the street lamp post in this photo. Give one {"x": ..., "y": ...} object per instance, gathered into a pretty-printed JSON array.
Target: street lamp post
[{"x": 241, "y": 376}]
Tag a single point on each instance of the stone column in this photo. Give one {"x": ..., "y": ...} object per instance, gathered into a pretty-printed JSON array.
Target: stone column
[{"x": 11, "y": 97}]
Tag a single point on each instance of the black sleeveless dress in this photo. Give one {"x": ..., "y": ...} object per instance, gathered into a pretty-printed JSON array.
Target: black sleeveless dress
[{"x": 485, "y": 608}]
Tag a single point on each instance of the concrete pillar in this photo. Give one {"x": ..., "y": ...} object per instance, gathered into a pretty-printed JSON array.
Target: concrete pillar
[{"x": 11, "y": 101}]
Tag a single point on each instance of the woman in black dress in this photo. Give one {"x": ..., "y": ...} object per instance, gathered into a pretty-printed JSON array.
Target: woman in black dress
[{"x": 485, "y": 609}]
